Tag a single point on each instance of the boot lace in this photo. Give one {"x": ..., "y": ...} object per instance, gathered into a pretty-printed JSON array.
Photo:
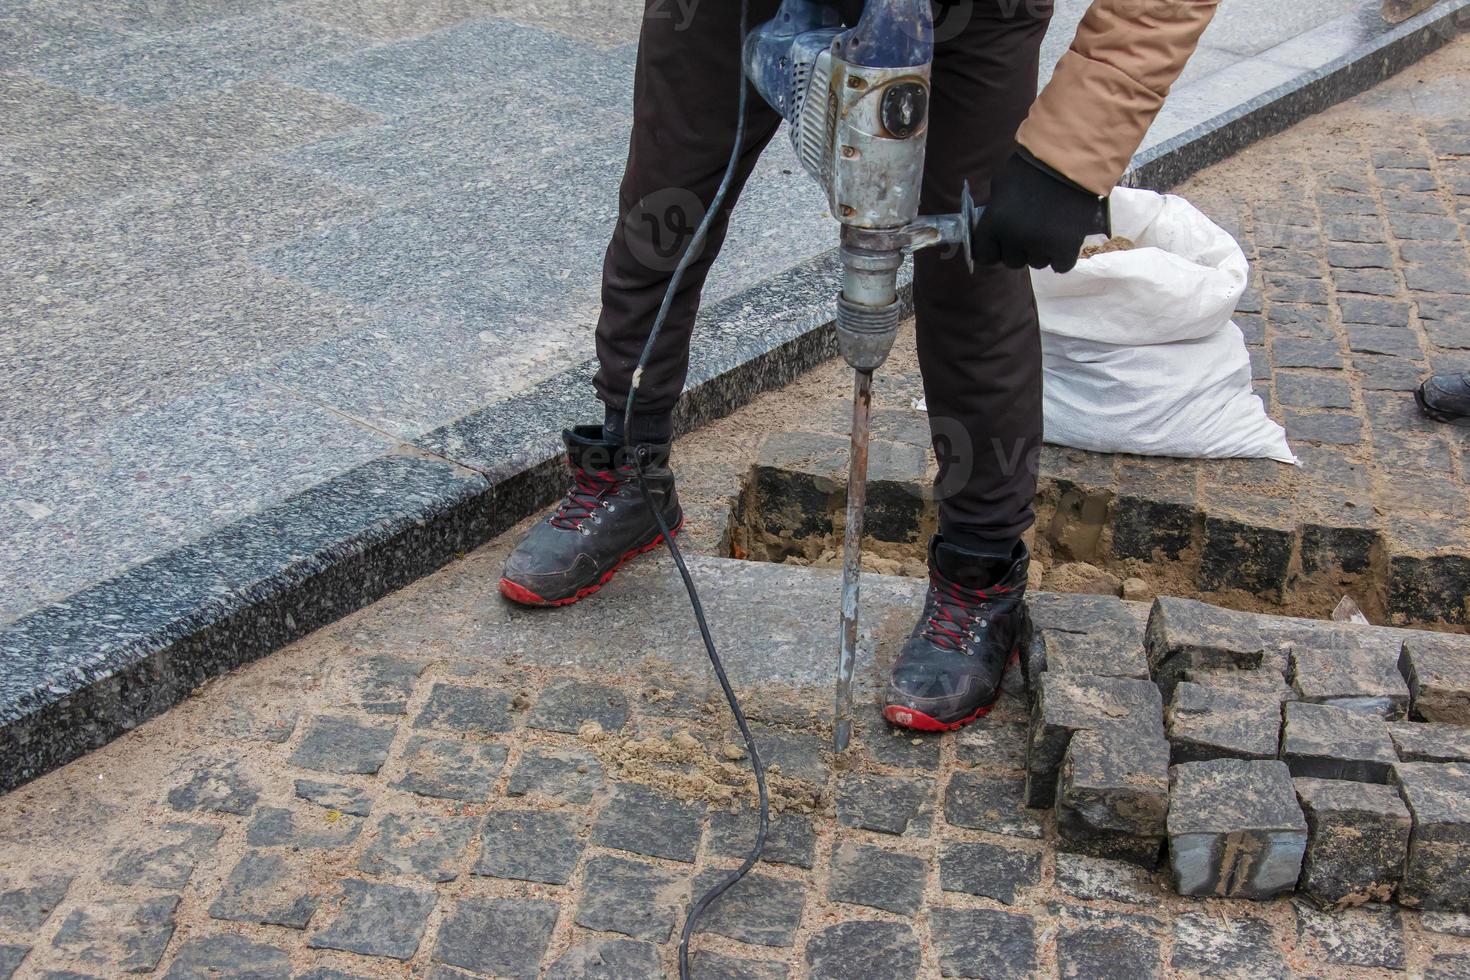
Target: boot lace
[
  {"x": 583, "y": 499},
  {"x": 955, "y": 610}
]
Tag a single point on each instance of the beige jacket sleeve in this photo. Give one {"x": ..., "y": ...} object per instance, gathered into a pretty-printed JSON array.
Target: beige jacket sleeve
[{"x": 1110, "y": 84}]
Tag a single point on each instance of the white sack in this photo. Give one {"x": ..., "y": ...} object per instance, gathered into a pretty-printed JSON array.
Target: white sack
[{"x": 1139, "y": 352}]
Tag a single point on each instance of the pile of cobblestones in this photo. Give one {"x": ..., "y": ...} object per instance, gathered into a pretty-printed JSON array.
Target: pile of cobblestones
[{"x": 1269, "y": 755}]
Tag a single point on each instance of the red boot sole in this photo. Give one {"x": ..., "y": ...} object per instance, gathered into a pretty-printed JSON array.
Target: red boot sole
[
  {"x": 920, "y": 722},
  {"x": 523, "y": 596}
]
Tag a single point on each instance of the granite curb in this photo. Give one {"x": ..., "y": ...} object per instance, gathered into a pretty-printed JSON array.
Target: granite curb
[{"x": 93, "y": 666}]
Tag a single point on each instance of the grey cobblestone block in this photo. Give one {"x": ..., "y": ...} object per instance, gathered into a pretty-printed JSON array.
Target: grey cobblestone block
[
  {"x": 992, "y": 802},
  {"x": 759, "y": 909},
  {"x": 417, "y": 844},
  {"x": 709, "y": 965},
  {"x": 11, "y": 957},
  {"x": 118, "y": 935},
  {"x": 1387, "y": 373},
  {"x": 530, "y": 845},
  {"x": 992, "y": 743},
  {"x": 1155, "y": 509},
  {"x": 984, "y": 943},
  {"x": 1101, "y": 879},
  {"x": 611, "y": 959},
  {"x": 1448, "y": 966},
  {"x": 376, "y": 919},
  {"x": 1331, "y": 428},
  {"x": 335, "y": 796},
  {"x": 227, "y": 955},
  {"x": 169, "y": 865},
  {"x": 1370, "y": 282},
  {"x": 1363, "y": 678},
  {"x": 1296, "y": 290},
  {"x": 800, "y": 755},
  {"x": 1343, "y": 255},
  {"x": 450, "y": 770},
  {"x": 303, "y": 827},
  {"x": 1355, "y": 229},
  {"x": 1252, "y": 327},
  {"x": 1235, "y": 829},
  {"x": 1327, "y": 742},
  {"x": 1108, "y": 952},
  {"x": 887, "y": 804},
  {"x": 1239, "y": 945},
  {"x": 1221, "y": 722},
  {"x": 1446, "y": 923},
  {"x": 1357, "y": 841},
  {"x": 790, "y": 838},
  {"x": 644, "y": 821},
  {"x": 880, "y": 879},
  {"x": 1100, "y": 653},
  {"x": 630, "y": 897},
  {"x": 1370, "y": 936},
  {"x": 1437, "y": 669},
  {"x": 568, "y": 775},
  {"x": 1301, "y": 320},
  {"x": 28, "y": 901},
  {"x": 998, "y": 871},
  {"x": 1114, "y": 783},
  {"x": 863, "y": 949},
  {"x": 1438, "y": 797},
  {"x": 1065, "y": 705},
  {"x": 1365, "y": 338},
  {"x": 472, "y": 710},
  {"x": 496, "y": 937},
  {"x": 264, "y": 889},
  {"x": 795, "y": 480},
  {"x": 567, "y": 704},
  {"x": 1374, "y": 312},
  {"x": 1428, "y": 741},
  {"x": 1422, "y": 227},
  {"x": 896, "y": 747},
  {"x": 1201, "y": 635},
  {"x": 383, "y": 684},
  {"x": 334, "y": 743},
  {"x": 1300, "y": 389},
  {"x": 219, "y": 789},
  {"x": 1294, "y": 352}
]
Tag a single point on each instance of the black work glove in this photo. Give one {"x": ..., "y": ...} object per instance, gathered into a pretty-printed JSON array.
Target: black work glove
[{"x": 1036, "y": 217}]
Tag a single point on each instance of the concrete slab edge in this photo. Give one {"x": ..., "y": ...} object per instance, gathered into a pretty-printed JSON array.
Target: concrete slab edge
[{"x": 85, "y": 670}]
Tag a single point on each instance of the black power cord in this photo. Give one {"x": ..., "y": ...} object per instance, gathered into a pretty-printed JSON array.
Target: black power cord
[{"x": 690, "y": 252}]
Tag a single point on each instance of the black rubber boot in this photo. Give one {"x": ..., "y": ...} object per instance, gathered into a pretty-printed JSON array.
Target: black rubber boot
[
  {"x": 973, "y": 627},
  {"x": 1446, "y": 398},
  {"x": 601, "y": 523}
]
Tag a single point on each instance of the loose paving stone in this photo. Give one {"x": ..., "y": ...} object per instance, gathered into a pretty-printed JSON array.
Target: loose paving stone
[
  {"x": 471, "y": 710},
  {"x": 1367, "y": 936},
  {"x": 991, "y": 743},
  {"x": 887, "y": 804},
  {"x": 758, "y": 909},
  {"x": 1193, "y": 634},
  {"x": 1357, "y": 841},
  {"x": 1113, "y": 793},
  {"x": 263, "y": 888},
  {"x": 566, "y": 705},
  {"x": 383, "y": 684},
  {"x": 26, "y": 906},
  {"x": 630, "y": 897},
  {"x": 498, "y": 937},
  {"x": 613, "y": 959},
  {"x": 450, "y": 770},
  {"x": 334, "y": 743},
  {"x": 998, "y": 871},
  {"x": 335, "y": 796},
  {"x": 1216, "y": 722},
  {"x": 799, "y": 755},
  {"x": 790, "y": 837},
  {"x": 1066, "y": 704},
  {"x": 708, "y": 965},
  {"x": 1437, "y": 669},
  {"x": 641, "y": 820},
  {"x": 992, "y": 802},
  {"x": 228, "y": 956},
  {"x": 863, "y": 949},
  {"x": 1094, "y": 878},
  {"x": 376, "y": 920},
  {"x": 1449, "y": 923},
  {"x": 1428, "y": 741},
  {"x": 169, "y": 866},
  {"x": 425, "y": 845},
  {"x": 220, "y": 789},
  {"x": 872, "y": 876},
  {"x": 1363, "y": 678},
  {"x": 1100, "y": 654},
  {"x": 118, "y": 935},
  {"x": 983, "y": 943},
  {"x": 304, "y": 827},
  {"x": 1235, "y": 829},
  {"x": 897, "y": 747},
  {"x": 530, "y": 845},
  {"x": 11, "y": 957},
  {"x": 1235, "y": 945},
  {"x": 1438, "y": 797},
  {"x": 568, "y": 775},
  {"x": 1335, "y": 743},
  {"x": 1107, "y": 951}
]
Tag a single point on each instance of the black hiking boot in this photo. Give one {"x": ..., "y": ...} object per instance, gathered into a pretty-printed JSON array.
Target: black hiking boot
[
  {"x": 601, "y": 523},
  {"x": 973, "y": 627},
  {"x": 1445, "y": 398}
]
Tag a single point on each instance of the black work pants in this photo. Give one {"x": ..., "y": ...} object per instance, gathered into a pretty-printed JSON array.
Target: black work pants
[{"x": 978, "y": 342}]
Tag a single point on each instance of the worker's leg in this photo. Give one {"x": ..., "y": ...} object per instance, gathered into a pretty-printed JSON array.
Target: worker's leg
[
  {"x": 685, "y": 96},
  {"x": 980, "y": 354}
]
